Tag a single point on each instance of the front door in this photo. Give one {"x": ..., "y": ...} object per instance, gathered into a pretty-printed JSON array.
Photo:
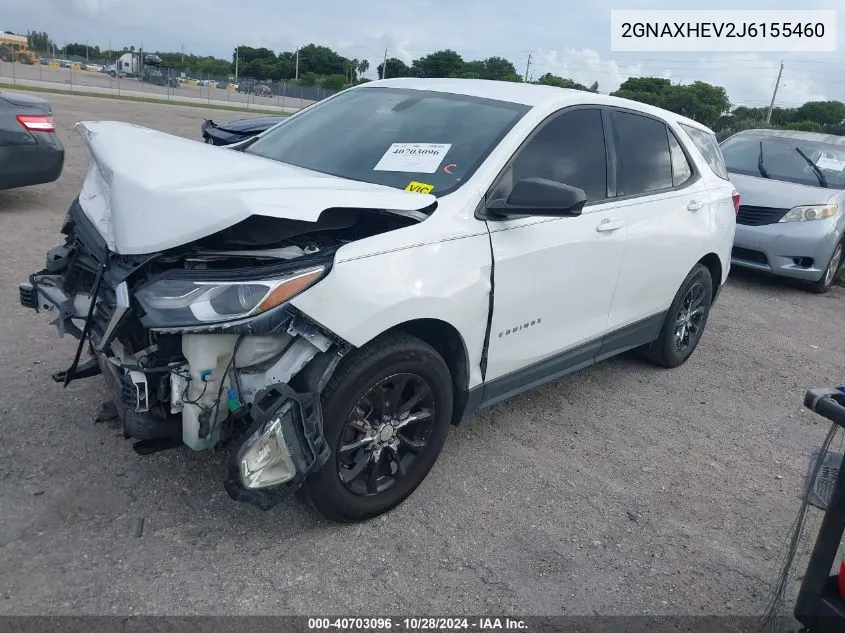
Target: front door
[{"x": 554, "y": 278}]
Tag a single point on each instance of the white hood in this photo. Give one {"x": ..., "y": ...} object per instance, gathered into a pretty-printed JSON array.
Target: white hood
[{"x": 147, "y": 191}]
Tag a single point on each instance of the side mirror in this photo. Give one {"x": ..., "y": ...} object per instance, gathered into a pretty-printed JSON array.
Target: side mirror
[{"x": 538, "y": 196}]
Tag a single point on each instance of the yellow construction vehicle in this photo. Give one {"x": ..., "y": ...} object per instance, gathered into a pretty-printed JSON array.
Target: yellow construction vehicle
[{"x": 14, "y": 48}]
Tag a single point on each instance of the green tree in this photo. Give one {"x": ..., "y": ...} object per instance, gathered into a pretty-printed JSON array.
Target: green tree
[
  {"x": 395, "y": 68},
  {"x": 309, "y": 79},
  {"x": 549, "y": 79},
  {"x": 334, "y": 82},
  {"x": 321, "y": 60},
  {"x": 805, "y": 126},
  {"x": 825, "y": 113},
  {"x": 498, "y": 68},
  {"x": 363, "y": 67},
  {"x": 699, "y": 100},
  {"x": 445, "y": 63},
  {"x": 40, "y": 41}
]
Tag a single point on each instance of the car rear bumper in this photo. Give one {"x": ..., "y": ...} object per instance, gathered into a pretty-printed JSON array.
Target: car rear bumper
[
  {"x": 26, "y": 165},
  {"x": 801, "y": 250}
]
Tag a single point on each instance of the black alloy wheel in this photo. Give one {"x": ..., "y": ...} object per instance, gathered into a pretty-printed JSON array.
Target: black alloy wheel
[{"x": 386, "y": 415}]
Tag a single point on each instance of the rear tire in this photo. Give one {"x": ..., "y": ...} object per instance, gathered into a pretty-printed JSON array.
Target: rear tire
[
  {"x": 685, "y": 321},
  {"x": 833, "y": 270},
  {"x": 386, "y": 415}
]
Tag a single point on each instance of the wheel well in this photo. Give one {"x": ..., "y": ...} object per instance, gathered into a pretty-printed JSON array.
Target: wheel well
[
  {"x": 450, "y": 345},
  {"x": 712, "y": 262}
]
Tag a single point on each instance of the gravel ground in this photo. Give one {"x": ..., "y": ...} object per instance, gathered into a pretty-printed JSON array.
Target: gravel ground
[{"x": 624, "y": 489}]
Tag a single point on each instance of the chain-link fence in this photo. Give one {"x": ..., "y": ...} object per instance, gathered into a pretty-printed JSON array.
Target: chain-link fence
[{"x": 133, "y": 74}]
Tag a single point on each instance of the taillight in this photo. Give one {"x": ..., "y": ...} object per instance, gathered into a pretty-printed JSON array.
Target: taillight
[
  {"x": 735, "y": 197},
  {"x": 37, "y": 123}
]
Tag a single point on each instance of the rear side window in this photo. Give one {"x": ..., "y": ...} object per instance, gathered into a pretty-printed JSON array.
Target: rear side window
[
  {"x": 681, "y": 170},
  {"x": 709, "y": 147},
  {"x": 645, "y": 157}
]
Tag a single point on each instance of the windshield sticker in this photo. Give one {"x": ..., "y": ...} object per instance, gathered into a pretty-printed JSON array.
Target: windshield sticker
[
  {"x": 830, "y": 164},
  {"x": 419, "y": 187},
  {"x": 418, "y": 158}
]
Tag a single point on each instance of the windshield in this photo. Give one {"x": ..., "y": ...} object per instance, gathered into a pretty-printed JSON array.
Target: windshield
[
  {"x": 422, "y": 141},
  {"x": 813, "y": 163}
]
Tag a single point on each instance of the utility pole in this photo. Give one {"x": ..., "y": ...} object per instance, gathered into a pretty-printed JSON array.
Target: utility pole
[
  {"x": 237, "y": 58},
  {"x": 183, "y": 52},
  {"x": 774, "y": 94},
  {"x": 86, "y": 50},
  {"x": 297, "y": 65},
  {"x": 527, "y": 67},
  {"x": 384, "y": 66}
]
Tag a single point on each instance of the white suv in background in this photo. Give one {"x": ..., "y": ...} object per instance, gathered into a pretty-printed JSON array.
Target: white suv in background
[{"x": 329, "y": 296}]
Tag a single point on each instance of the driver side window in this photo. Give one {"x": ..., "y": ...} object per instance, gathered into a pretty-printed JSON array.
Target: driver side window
[{"x": 568, "y": 149}]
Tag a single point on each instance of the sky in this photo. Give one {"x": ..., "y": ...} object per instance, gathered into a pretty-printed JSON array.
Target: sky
[{"x": 573, "y": 43}]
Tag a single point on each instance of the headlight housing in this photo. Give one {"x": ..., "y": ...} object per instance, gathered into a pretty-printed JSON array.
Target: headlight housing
[
  {"x": 183, "y": 301},
  {"x": 811, "y": 212}
]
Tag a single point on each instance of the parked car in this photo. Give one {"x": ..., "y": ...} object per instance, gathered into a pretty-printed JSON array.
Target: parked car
[
  {"x": 30, "y": 150},
  {"x": 792, "y": 219},
  {"x": 330, "y": 296},
  {"x": 236, "y": 131},
  {"x": 262, "y": 90}
]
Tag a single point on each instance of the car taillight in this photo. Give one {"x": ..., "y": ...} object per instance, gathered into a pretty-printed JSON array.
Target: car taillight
[
  {"x": 735, "y": 197},
  {"x": 37, "y": 123}
]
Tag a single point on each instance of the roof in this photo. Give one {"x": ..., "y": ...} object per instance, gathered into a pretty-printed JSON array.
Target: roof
[
  {"x": 532, "y": 95},
  {"x": 11, "y": 38},
  {"x": 830, "y": 139}
]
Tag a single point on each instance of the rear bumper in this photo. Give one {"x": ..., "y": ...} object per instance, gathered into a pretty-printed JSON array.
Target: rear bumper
[
  {"x": 801, "y": 250},
  {"x": 26, "y": 165}
]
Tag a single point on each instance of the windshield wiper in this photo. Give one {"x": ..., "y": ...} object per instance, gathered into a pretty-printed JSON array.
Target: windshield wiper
[
  {"x": 816, "y": 170},
  {"x": 760, "y": 167}
]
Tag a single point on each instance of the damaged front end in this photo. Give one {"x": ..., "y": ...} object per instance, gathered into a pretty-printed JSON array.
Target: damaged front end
[{"x": 199, "y": 344}]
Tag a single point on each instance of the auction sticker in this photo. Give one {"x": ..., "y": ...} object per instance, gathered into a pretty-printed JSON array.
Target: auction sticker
[
  {"x": 832, "y": 164},
  {"x": 419, "y": 187},
  {"x": 419, "y": 158}
]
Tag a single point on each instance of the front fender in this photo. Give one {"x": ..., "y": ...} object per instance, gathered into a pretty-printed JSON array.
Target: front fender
[{"x": 449, "y": 281}]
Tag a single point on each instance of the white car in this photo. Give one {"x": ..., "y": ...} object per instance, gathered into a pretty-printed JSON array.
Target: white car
[{"x": 329, "y": 296}]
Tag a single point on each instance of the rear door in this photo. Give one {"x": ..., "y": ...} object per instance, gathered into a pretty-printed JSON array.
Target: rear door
[{"x": 666, "y": 206}]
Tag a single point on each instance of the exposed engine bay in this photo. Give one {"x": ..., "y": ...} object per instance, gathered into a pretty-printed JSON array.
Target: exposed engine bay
[{"x": 198, "y": 343}]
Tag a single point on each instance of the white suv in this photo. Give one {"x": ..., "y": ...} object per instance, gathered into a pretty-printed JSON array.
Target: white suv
[{"x": 328, "y": 297}]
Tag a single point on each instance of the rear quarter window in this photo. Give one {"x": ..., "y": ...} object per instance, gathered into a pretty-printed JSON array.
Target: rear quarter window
[{"x": 709, "y": 147}]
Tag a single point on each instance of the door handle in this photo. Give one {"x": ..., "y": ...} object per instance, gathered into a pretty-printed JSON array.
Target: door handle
[
  {"x": 694, "y": 205},
  {"x": 609, "y": 225}
]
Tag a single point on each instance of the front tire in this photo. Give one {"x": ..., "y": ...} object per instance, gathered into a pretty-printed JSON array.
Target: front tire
[
  {"x": 834, "y": 267},
  {"x": 386, "y": 415},
  {"x": 685, "y": 321}
]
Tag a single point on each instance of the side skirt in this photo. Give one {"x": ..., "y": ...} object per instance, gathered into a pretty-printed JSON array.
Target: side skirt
[{"x": 570, "y": 361}]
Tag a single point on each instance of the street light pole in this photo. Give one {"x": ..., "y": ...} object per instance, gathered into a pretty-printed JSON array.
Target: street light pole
[
  {"x": 774, "y": 94},
  {"x": 297, "y": 64}
]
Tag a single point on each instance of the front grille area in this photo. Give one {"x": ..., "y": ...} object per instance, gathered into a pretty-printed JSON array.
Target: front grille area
[
  {"x": 759, "y": 216},
  {"x": 748, "y": 255}
]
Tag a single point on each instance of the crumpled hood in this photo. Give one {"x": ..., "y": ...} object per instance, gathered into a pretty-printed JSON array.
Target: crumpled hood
[{"x": 147, "y": 191}]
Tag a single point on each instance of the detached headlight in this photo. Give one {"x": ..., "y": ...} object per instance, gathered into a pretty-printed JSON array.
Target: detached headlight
[
  {"x": 264, "y": 460},
  {"x": 174, "y": 301},
  {"x": 811, "y": 212}
]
